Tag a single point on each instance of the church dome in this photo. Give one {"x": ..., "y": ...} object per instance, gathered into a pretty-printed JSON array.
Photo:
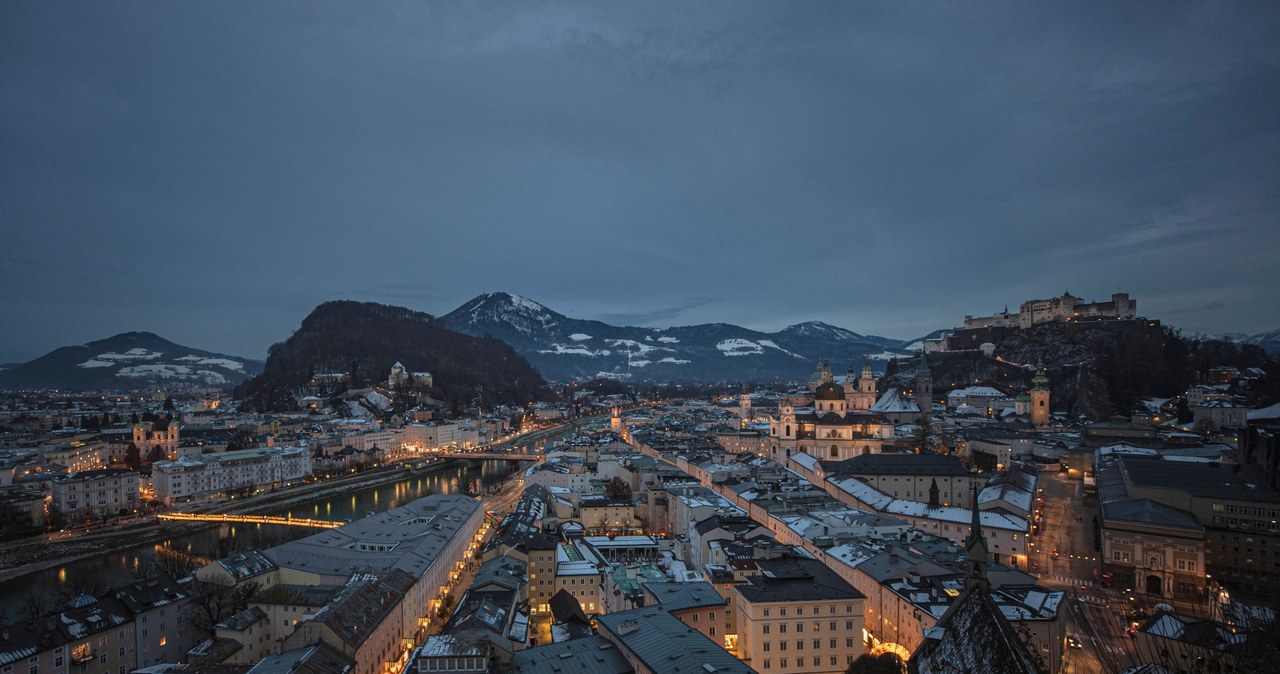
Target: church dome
[{"x": 829, "y": 391}]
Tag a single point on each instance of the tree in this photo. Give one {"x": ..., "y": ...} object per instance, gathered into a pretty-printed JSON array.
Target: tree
[
  {"x": 922, "y": 437},
  {"x": 213, "y": 601},
  {"x": 133, "y": 457},
  {"x": 884, "y": 663},
  {"x": 156, "y": 454},
  {"x": 168, "y": 404},
  {"x": 617, "y": 489}
]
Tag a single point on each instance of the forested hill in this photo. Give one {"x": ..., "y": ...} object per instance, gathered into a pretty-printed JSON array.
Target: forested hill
[
  {"x": 1095, "y": 370},
  {"x": 364, "y": 340}
]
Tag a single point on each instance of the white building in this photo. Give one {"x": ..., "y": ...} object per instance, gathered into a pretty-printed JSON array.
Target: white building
[
  {"x": 197, "y": 477},
  {"x": 109, "y": 490}
]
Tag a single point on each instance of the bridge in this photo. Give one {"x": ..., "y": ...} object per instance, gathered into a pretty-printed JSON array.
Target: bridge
[
  {"x": 250, "y": 519},
  {"x": 514, "y": 456}
]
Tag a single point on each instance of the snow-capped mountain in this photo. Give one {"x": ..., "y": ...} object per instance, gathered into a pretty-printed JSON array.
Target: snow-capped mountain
[
  {"x": 1269, "y": 341},
  {"x": 565, "y": 348},
  {"x": 128, "y": 361}
]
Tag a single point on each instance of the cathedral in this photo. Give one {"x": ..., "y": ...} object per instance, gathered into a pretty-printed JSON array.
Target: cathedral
[{"x": 834, "y": 422}]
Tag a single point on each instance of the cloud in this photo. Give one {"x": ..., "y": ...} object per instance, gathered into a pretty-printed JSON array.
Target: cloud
[{"x": 655, "y": 317}]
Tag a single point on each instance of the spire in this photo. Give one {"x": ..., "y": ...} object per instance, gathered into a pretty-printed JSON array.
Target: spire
[
  {"x": 975, "y": 553},
  {"x": 1040, "y": 382},
  {"x": 866, "y": 366},
  {"x": 922, "y": 370},
  {"x": 933, "y": 494}
]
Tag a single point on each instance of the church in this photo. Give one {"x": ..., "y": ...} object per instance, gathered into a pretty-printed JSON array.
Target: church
[{"x": 834, "y": 422}]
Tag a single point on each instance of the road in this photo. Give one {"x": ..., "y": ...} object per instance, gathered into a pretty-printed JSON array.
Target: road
[{"x": 1094, "y": 614}]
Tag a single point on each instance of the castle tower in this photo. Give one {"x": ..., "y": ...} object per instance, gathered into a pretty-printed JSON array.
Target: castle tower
[
  {"x": 924, "y": 387},
  {"x": 1040, "y": 398}
]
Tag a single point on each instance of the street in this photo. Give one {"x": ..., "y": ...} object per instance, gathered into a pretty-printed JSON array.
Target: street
[{"x": 1068, "y": 561}]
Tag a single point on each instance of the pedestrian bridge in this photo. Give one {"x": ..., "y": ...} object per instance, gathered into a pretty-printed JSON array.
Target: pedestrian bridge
[
  {"x": 250, "y": 519},
  {"x": 514, "y": 456}
]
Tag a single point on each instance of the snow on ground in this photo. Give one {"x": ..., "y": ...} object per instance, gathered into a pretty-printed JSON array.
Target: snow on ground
[
  {"x": 674, "y": 361},
  {"x": 96, "y": 363},
  {"x": 740, "y": 347},
  {"x": 613, "y": 375},
  {"x": 769, "y": 343},
  {"x": 562, "y": 349},
  {"x": 639, "y": 363},
  {"x": 131, "y": 354},
  {"x": 668, "y": 340},
  {"x": 884, "y": 355},
  {"x": 527, "y": 304},
  {"x": 378, "y": 400},
  {"x": 212, "y": 378},
  {"x": 579, "y": 337},
  {"x": 163, "y": 370},
  {"x": 220, "y": 362},
  {"x": 355, "y": 409},
  {"x": 914, "y": 346},
  {"x": 632, "y": 346}
]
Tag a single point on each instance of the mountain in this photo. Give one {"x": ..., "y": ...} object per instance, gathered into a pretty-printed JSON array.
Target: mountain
[
  {"x": 365, "y": 339},
  {"x": 1268, "y": 341},
  {"x": 128, "y": 361},
  {"x": 565, "y": 348}
]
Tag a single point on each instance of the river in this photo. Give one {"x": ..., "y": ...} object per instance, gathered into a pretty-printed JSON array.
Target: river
[{"x": 119, "y": 567}]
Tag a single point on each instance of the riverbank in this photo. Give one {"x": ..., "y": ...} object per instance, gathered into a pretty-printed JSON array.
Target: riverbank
[{"x": 22, "y": 558}]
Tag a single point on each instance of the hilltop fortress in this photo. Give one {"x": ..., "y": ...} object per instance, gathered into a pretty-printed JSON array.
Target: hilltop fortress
[{"x": 1058, "y": 309}]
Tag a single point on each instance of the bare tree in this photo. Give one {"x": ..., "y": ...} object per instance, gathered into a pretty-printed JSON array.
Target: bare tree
[{"x": 213, "y": 601}]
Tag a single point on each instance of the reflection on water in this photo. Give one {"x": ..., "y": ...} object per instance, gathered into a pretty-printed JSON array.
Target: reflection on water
[{"x": 119, "y": 566}]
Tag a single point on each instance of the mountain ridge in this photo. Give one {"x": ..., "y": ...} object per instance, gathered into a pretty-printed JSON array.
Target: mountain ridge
[
  {"x": 565, "y": 348},
  {"x": 129, "y": 360}
]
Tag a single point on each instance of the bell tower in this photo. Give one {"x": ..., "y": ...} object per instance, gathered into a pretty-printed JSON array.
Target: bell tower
[
  {"x": 1040, "y": 398},
  {"x": 924, "y": 387}
]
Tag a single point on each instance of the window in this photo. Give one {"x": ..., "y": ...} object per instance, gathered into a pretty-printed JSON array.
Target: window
[
  {"x": 713, "y": 631},
  {"x": 782, "y": 663},
  {"x": 799, "y": 627},
  {"x": 799, "y": 644},
  {"x": 768, "y": 646},
  {"x": 848, "y": 625},
  {"x": 782, "y": 629},
  {"x": 766, "y": 629},
  {"x": 782, "y": 646}
]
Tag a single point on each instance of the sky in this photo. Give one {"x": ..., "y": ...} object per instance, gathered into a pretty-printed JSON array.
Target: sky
[{"x": 212, "y": 171}]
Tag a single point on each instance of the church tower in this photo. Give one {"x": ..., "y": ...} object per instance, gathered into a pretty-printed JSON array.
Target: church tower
[
  {"x": 1040, "y": 398},
  {"x": 615, "y": 422},
  {"x": 924, "y": 387},
  {"x": 975, "y": 550},
  {"x": 744, "y": 403},
  {"x": 865, "y": 397}
]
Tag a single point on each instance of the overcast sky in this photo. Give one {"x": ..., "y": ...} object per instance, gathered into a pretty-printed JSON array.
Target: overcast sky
[{"x": 210, "y": 171}]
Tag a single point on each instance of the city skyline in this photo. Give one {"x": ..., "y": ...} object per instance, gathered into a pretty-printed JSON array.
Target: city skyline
[{"x": 211, "y": 175}]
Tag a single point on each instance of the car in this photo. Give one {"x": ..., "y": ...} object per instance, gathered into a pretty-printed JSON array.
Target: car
[{"x": 1073, "y": 642}]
